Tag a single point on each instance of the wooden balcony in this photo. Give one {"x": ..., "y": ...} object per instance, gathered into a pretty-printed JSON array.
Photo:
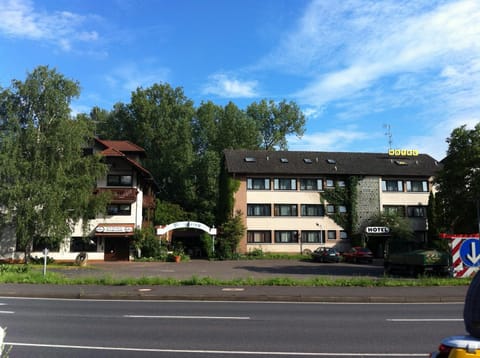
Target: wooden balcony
[
  {"x": 148, "y": 201},
  {"x": 120, "y": 195}
]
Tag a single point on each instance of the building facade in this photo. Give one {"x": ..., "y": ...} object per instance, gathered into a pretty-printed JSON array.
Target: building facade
[
  {"x": 109, "y": 236},
  {"x": 282, "y": 195}
]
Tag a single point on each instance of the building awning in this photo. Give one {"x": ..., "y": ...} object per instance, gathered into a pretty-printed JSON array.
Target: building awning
[{"x": 114, "y": 230}]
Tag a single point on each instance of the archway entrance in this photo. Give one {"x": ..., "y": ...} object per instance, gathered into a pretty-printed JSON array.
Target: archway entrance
[{"x": 186, "y": 234}]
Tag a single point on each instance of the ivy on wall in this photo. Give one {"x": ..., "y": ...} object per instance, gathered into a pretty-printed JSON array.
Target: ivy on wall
[{"x": 344, "y": 195}]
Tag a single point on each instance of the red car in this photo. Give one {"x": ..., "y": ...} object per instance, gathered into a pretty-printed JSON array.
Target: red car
[{"x": 358, "y": 254}]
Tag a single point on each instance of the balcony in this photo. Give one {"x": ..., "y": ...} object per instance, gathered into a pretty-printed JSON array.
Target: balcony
[
  {"x": 148, "y": 201},
  {"x": 120, "y": 195}
]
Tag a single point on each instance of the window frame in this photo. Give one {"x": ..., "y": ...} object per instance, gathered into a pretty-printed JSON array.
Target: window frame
[
  {"x": 264, "y": 209},
  {"x": 305, "y": 210},
  {"x": 265, "y": 236},
  {"x": 285, "y": 184},
  {"x": 291, "y": 239},
  {"x": 311, "y": 184},
  {"x": 120, "y": 212},
  {"x": 120, "y": 180},
  {"x": 278, "y": 210},
  {"x": 258, "y": 183},
  {"x": 388, "y": 187},
  {"x": 318, "y": 236}
]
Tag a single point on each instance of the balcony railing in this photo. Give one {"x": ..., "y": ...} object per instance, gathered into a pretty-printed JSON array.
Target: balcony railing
[{"x": 120, "y": 195}]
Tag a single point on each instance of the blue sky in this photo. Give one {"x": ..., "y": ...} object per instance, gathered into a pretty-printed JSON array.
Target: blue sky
[{"x": 355, "y": 67}]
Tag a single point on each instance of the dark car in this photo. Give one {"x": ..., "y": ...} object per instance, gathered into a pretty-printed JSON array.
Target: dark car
[
  {"x": 326, "y": 254},
  {"x": 358, "y": 254}
]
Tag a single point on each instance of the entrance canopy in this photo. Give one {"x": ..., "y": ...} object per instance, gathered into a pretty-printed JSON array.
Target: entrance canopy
[{"x": 162, "y": 230}]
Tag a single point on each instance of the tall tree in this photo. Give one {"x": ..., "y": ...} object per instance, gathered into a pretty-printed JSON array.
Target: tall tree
[
  {"x": 459, "y": 182},
  {"x": 163, "y": 117},
  {"x": 46, "y": 183},
  {"x": 276, "y": 122}
]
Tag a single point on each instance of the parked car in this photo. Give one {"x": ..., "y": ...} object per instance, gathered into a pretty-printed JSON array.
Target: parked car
[
  {"x": 326, "y": 254},
  {"x": 458, "y": 347},
  {"x": 358, "y": 254}
]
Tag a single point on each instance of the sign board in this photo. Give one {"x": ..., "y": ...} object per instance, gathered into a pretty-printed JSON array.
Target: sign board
[
  {"x": 114, "y": 229},
  {"x": 161, "y": 230},
  {"x": 379, "y": 230},
  {"x": 403, "y": 152},
  {"x": 470, "y": 252}
]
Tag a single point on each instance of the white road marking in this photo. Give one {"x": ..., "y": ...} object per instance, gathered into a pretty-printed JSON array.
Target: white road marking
[
  {"x": 425, "y": 319},
  {"x": 233, "y": 289},
  {"x": 188, "y": 317},
  {"x": 207, "y": 351},
  {"x": 7, "y": 312}
]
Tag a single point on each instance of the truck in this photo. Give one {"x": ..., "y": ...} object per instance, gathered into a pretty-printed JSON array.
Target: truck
[{"x": 412, "y": 258}]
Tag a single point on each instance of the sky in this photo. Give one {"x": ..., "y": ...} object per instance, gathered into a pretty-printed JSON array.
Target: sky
[{"x": 369, "y": 75}]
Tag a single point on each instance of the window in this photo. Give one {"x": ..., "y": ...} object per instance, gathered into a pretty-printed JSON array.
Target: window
[
  {"x": 417, "y": 211},
  {"x": 41, "y": 243},
  {"x": 260, "y": 237},
  {"x": 285, "y": 237},
  {"x": 341, "y": 183},
  {"x": 258, "y": 184},
  {"x": 259, "y": 210},
  {"x": 342, "y": 209},
  {"x": 88, "y": 244},
  {"x": 311, "y": 184},
  {"x": 312, "y": 210},
  {"x": 330, "y": 209},
  {"x": 343, "y": 235},
  {"x": 330, "y": 183},
  {"x": 394, "y": 210},
  {"x": 119, "y": 180},
  {"x": 313, "y": 237},
  {"x": 392, "y": 185},
  {"x": 284, "y": 184},
  {"x": 285, "y": 210},
  {"x": 118, "y": 209},
  {"x": 417, "y": 185},
  {"x": 331, "y": 235}
]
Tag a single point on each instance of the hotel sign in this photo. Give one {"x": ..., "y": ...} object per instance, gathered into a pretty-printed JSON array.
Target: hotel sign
[
  {"x": 377, "y": 230},
  {"x": 403, "y": 152},
  {"x": 114, "y": 229}
]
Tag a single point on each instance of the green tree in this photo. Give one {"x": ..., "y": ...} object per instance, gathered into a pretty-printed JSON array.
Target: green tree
[
  {"x": 229, "y": 237},
  {"x": 46, "y": 183},
  {"x": 459, "y": 182},
  {"x": 276, "y": 121},
  {"x": 163, "y": 117},
  {"x": 432, "y": 218}
]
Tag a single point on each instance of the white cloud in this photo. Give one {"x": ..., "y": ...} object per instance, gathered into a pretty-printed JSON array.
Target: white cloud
[
  {"x": 404, "y": 43},
  {"x": 335, "y": 140},
  {"x": 19, "y": 19},
  {"x": 129, "y": 76},
  {"x": 224, "y": 86}
]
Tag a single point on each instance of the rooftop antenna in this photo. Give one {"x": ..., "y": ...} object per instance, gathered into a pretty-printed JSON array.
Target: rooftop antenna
[{"x": 388, "y": 133}]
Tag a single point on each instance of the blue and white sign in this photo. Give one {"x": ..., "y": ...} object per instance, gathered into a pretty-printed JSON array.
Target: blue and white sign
[{"x": 470, "y": 252}]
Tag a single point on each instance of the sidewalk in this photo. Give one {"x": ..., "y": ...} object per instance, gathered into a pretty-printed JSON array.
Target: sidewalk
[{"x": 229, "y": 270}]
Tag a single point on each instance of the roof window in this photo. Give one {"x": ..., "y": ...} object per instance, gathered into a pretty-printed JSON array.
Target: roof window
[
  {"x": 250, "y": 159},
  {"x": 284, "y": 160},
  {"x": 331, "y": 161},
  {"x": 401, "y": 162},
  {"x": 307, "y": 161}
]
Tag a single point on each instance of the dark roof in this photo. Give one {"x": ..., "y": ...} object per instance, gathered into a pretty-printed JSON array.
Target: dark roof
[{"x": 325, "y": 163}]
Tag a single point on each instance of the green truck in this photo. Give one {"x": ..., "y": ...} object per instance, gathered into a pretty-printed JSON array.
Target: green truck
[{"x": 410, "y": 257}]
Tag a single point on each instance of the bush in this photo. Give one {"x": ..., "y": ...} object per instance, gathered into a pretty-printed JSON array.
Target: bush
[{"x": 14, "y": 269}]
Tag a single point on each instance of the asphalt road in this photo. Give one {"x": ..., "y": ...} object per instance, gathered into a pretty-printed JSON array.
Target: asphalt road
[{"x": 91, "y": 328}]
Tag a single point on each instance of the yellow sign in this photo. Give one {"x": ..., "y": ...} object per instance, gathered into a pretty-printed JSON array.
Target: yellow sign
[{"x": 403, "y": 152}]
